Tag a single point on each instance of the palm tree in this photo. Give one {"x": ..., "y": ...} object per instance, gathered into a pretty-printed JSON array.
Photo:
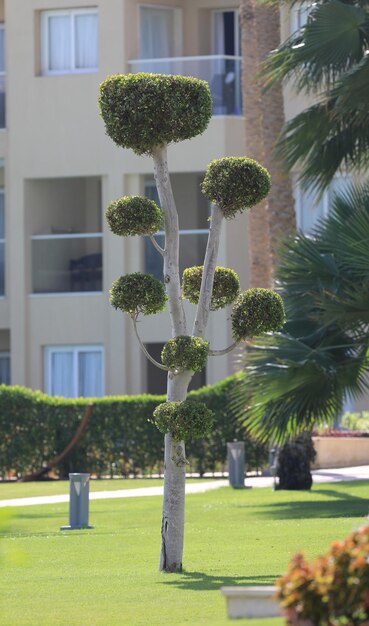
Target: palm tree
[
  {"x": 328, "y": 60},
  {"x": 299, "y": 378},
  {"x": 264, "y": 118}
]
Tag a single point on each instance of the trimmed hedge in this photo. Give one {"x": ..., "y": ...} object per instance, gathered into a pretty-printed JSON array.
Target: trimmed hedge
[{"x": 118, "y": 439}]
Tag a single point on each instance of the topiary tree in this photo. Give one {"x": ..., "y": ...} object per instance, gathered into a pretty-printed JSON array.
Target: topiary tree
[{"x": 146, "y": 112}]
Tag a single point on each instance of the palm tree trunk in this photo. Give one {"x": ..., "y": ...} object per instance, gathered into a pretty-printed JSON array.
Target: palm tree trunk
[{"x": 274, "y": 218}]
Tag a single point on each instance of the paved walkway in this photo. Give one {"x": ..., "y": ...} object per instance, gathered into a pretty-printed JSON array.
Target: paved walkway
[{"x": 319, "y": 476}]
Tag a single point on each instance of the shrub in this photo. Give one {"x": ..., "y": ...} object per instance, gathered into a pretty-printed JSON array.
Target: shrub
[
  {"x": 235, "y": 184},
  {"x": 356, "y": 421},
  {"x": 138, "y": 293},
  {"x": 226, "y": 286},
  {"x": 184, "y": 420},
  {"x": 257, "y": 311},
  {"x": 294, "y": 460},
  {"x": 142, "y": 111},
  {"x": 185, "y": 352},
  {"x": 331, "y": 590},
  {"x": 119, "y": 437},
  {"x": 133, "y": 215}
]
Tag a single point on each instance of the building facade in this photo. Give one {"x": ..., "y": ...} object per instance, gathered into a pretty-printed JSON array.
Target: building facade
[{"x": 59, "y": 171}]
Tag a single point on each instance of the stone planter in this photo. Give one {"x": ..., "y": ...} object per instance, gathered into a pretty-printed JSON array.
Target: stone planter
[
  {"x": 256, "y": 601},
  {"x": 340, "y": 451}
]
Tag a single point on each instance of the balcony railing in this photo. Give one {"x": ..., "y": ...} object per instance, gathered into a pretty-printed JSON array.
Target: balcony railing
[
  {"x": 67, "y": 263},
  {"x": 192, "y": 251},
  {"x": 223, "y": 73}
]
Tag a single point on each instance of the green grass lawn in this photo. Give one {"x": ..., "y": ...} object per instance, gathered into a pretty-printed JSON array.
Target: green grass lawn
[{"x": 108, "y": 576}]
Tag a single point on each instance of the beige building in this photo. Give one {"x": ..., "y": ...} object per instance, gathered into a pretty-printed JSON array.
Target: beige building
[{"x": 58, "y": 332}]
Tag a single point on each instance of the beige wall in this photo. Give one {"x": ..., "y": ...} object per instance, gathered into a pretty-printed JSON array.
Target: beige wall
[{"x": 56, "y": 151}]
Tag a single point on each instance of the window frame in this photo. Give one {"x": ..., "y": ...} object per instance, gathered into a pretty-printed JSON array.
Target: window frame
[
  {"x": 237, "y": 27},
  {"x": 177, "y": 23},
  {"x": 45, "y": 41},
  {"x": 327, "y": 196},
  {"x": 6, "y": 354},
  {"x": 299, "y": 16},
  {"x": 75, "y": 349},
  {"x": 3, "y": 242}
]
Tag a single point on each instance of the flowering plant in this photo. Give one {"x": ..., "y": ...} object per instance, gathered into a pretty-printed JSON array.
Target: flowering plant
[{"x": 333, "y": 590}]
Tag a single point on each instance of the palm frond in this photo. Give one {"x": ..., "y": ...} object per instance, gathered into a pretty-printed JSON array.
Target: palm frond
[
  {"x": 297, "y": 379},
  {"x": 321, "y": 141},
  {"x": 317, "y": 55}
]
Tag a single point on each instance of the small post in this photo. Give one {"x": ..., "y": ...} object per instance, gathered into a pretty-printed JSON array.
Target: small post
[
  {"x": 236, "y": 464},
  {"x": 273, "y": 463},
  {"x": 79, "y": 486}
]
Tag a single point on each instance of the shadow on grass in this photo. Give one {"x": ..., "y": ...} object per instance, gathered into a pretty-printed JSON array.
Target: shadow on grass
[
  {"x": 338, "y": 504},
  {"x": 198, "y": 581}
]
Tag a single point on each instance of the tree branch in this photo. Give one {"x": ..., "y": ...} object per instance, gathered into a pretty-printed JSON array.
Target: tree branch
[
  {"x": 171, "y": 257},
  {"x": 156, "y": 245},
  {"x": 210, "y": 262},
  {"x": 224, "y": 351},
  {"x": 143, "y": 348}
]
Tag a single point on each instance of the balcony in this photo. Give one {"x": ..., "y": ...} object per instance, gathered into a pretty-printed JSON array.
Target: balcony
[
  {"x": 65, "y": 227},
  {"x": 223, "y": 73}
]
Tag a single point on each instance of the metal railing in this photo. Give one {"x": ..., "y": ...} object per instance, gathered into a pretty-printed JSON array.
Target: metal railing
[
  {"x": 70, "y": 262},
  {"x": 222, "y": 72},
  {"x": 192, "y": 251}
]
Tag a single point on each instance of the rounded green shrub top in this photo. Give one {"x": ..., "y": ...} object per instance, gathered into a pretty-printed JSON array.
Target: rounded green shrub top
[
  {"x": 184, "y": 420},
  {"x": 235, "y": 184},
  {"x": 257, "y": 311},
  {"x": 134, "y": 215},
  {"x": 185, "y": 353},
  {"x": 226, "y": 286},
  {"x": 138, "y": 293},
  {"x": 142, "y": 111}
]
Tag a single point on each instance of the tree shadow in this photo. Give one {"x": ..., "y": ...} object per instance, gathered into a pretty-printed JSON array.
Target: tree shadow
[
  {"x": 198, "y": 581},
  {"x": 337, "y": 504}
]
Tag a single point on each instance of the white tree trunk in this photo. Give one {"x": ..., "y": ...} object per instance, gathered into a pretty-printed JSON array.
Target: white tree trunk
[
  {"x": 210, "y": 263},
  {"x": 171, "y": 254},
  {"x": 172, "y": 529}
]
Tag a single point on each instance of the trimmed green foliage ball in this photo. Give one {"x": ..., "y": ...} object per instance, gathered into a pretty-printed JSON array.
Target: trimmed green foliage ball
[
  {"x": 257, "y": 311},
  {"x": 142, "y": 111},
  {"x": 226, "y": 286},
  {"x": 184, "y": 420},
  {"x": 138, "y": 293},
  {"x": 185, "y": 353},
  {"x": 235, "y": 184},
  {"x": 134, "y": 215}
]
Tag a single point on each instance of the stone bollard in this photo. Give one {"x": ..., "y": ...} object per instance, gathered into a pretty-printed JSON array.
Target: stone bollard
[
  {"x": 79, "y": 486},
  {"x": 236, "y": 464}
]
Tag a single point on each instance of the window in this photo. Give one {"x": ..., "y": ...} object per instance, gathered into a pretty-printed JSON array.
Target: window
[
  {"x": 299, "y": 16},
  {"x": 65, "y": 220},
  {"x": 2, "y": 76},
  {"x": 156, "y": 379},
  {"x": 160, "y": 34},
  {"x": 69, "y": 41},
  {"x": 74, "y": 371},
  {"x": 4, "y": 368},
  {"x": 312, "y": 207},
  {"x": 193, "y": 213},
  {"x": 225, "y": 83},
  {"x": 2, "y": 243},
  {"x": 226, "y": 33}
]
